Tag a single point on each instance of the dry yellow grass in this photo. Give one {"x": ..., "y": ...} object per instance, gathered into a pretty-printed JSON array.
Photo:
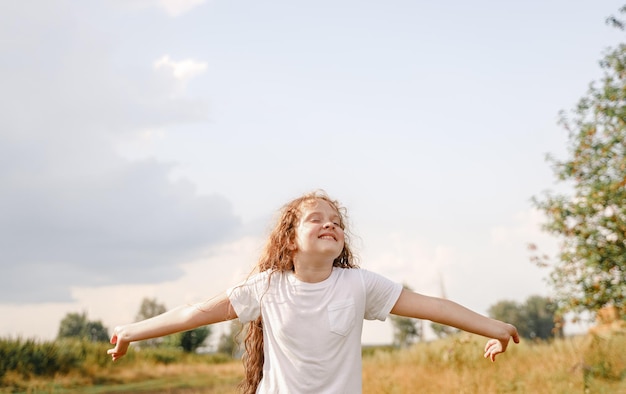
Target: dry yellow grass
[
  {"x": 569, "y": 365},
  {"x": 586, "y": 364},
  {"x": 178, "y": 378}
]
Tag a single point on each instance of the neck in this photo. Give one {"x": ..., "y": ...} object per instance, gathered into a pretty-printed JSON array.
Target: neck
[{"x": 312, "y": 273}]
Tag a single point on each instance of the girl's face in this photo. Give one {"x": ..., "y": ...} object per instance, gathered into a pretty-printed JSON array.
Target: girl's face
[{"x": 319, "y": 233}]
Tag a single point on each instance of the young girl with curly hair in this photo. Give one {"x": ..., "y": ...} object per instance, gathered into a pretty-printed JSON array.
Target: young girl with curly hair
[{"x": 305, "y": 305}]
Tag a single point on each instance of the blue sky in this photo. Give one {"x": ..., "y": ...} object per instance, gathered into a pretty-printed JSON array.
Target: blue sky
[{"x": 146, "y": 145}]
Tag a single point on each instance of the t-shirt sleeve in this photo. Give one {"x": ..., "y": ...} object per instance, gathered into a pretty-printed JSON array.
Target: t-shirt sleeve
[
  {"x": 244, "y": 298},
  {"x": 381, "y": 295}
]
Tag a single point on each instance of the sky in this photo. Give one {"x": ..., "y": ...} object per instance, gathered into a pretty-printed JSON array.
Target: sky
[{"x": 147, "y": 145}]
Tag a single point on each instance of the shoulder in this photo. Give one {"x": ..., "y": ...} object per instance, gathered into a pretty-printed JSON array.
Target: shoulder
[
  {"x": 264, "y": 276},
  {"x": 362, "y": 276},
  {"x": 259, "y": 280},
  {"x": 372, "y": 280},
  {"x": 255, "y": 278}
]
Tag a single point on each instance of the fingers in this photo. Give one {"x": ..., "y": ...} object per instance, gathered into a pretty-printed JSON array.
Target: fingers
[
  {"x": 120, "y": 349},
  {"x": 113, "y": 353},
  {"x": 120, "y": 346},
  {"x": 116, "y": 353},
  {"x": 493, "y": 348},
  {"x": 491, "y": 343},
  {"x": 491, "y": 356}
]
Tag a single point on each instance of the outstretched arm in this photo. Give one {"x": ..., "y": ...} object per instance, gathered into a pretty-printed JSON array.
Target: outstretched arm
[
  {"x": 183, "y": 318},
  {"x": 447, "y": 312}
]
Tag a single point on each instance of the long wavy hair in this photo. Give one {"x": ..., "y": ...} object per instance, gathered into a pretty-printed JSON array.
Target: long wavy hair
[{"x": 277, "y": 256}]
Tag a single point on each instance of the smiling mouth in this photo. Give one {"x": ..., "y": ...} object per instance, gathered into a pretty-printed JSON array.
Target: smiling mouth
[{"x": 327, "y": 236}]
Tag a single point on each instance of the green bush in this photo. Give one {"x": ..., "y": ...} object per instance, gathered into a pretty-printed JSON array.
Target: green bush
[{"x": 28, "y": 357}]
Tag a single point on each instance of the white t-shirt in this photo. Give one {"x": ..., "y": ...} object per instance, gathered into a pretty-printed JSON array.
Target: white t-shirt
[{"x": 312, "y": 331}]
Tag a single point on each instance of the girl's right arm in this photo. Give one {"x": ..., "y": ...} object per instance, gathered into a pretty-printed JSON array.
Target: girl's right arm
[
  {"x": 450, "y": 313},
  {"x": 183, "y": 318}
]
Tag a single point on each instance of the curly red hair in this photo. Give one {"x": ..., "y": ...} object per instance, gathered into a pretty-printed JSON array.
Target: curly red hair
[{"x": 277, "y": 256}]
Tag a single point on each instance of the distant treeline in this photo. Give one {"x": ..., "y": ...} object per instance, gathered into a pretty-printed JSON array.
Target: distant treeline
[{"x": 25, "y": 359}]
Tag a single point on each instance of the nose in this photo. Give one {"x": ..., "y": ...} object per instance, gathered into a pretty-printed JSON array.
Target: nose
[{"x": 329, "y": 225}]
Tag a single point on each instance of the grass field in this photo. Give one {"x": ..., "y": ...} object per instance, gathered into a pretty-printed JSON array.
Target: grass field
[
  {"x": 457, "y": 366},
  {"x": 454, "y": 365}
]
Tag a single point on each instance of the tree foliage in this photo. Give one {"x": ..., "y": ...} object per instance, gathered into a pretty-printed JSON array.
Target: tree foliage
[
  {"x": 537, "y": 318},
  {"x": 405, "y": 330},
  {"x": 542, "y": 318},
  {"x": 76, "y": 325},
  {"x": 441, "y": 330},
  {"x": 189, "y": 341},
  {"x": 508, "y": 311},
  {"x": 150, "y": 307},
  {"x": 229, "y": 342},
  {"x": 590, "y": 269}
]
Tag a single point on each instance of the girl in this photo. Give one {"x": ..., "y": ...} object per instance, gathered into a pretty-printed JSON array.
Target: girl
[{"x": 305, "y": 308}]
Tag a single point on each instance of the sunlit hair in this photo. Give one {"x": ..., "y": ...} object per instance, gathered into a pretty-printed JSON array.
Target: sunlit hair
[{"x": 277, "y": 256}]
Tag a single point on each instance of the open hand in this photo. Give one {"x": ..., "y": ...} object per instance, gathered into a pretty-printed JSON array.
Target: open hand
[{"x": 497, "y": 346}]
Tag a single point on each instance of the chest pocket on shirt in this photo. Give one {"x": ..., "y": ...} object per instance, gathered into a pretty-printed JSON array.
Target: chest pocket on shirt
[{"x": 341, "y": 315}]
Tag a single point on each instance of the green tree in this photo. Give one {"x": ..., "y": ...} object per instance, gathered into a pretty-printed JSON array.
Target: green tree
[
  {"x": 590, "y": 271},
  {"x": 542, "y": 320},
  {"x": 535, "y": 319},
  {"x": 76, "y": 325},
  {"x": 229, "y": 343},
  {"x": 441, "y": 330},
  {"x": 405, "y": 330},
  {"x": 191, "y": 340},
  {"x": 150, "y": 307},
  {"x": 510, "y": 312},
  {"x": 73, "y": 325}
]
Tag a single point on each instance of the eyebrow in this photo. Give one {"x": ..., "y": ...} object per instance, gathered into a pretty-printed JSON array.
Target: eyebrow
[
  {"x": 313, "y": 214},
  {"x": 333, "y": 216}
]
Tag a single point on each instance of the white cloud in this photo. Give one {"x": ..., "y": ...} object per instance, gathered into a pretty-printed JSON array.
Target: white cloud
[
  {"x": 182, "y": 70},
  {"x": 178, "y": 7},
  {"x": 70, "y": 206},
  {"x": 173, "y": 8},
  {"x": 179, "y": 72}
]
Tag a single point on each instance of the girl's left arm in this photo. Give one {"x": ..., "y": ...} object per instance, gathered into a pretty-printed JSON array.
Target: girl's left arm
[
  {"x": 450, "y": 313},
  {"x": 183, "y": 318}
]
